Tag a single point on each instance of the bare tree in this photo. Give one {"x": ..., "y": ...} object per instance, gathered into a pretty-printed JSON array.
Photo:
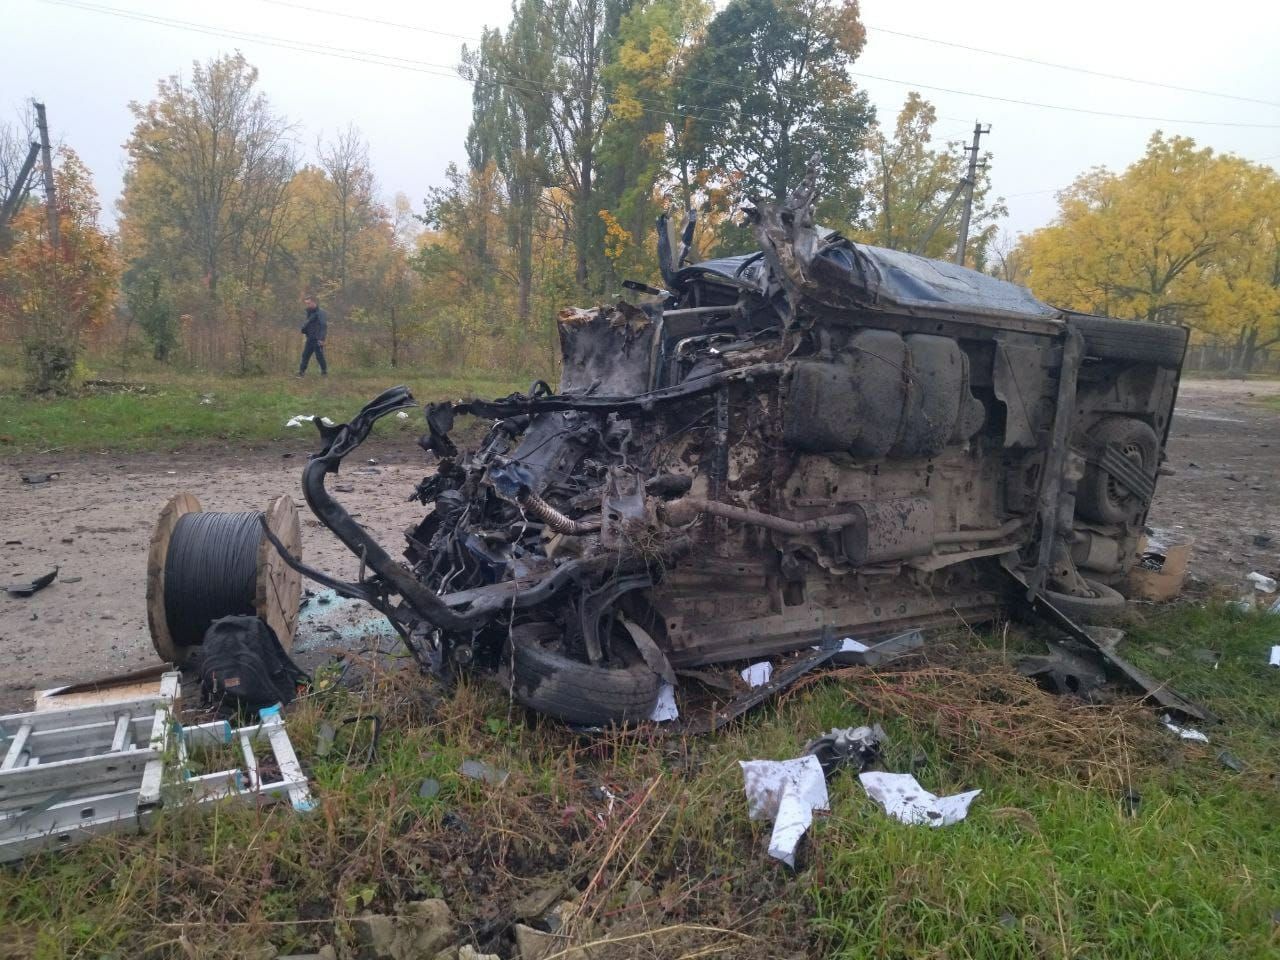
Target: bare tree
[{"x": 345, "y": 160}]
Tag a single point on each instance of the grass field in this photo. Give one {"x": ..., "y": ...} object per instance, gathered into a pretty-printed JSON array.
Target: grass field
[
  {"x": 164, "y": 411},
  {"x": 1097, "y": 834}
]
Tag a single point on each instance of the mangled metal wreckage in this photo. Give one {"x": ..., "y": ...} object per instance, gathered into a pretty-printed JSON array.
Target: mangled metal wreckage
[{"x": 820, "y": 436}]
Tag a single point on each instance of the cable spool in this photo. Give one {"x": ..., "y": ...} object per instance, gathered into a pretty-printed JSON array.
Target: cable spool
[{"x": 206, "y": 565}]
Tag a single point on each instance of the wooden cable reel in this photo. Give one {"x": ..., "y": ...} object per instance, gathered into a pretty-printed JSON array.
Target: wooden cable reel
[{"x": 274, "y": 593}]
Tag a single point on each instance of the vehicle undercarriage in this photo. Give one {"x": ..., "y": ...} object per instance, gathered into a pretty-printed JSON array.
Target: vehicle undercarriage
[{"x": 820, "y": 438}]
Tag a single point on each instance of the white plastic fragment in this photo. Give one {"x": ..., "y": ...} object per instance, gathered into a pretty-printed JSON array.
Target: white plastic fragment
[
  {"x": 758, "y": 674},
  {"x": 402, "y": 415},
  {"x": 1262, "y": 582},
  {"x": 786, "y": 792},
  {"x": 299, "y": 419},
  {"x": 665, "y": 709},
  {"x": 1186, "y": 733},
  {"x": 905, "y": 800},
  {"x": 1275, "y": 656},
  {"x": 849, "y": 645}
]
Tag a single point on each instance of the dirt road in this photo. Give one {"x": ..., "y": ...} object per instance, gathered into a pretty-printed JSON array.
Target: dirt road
[{"x": 94, "y": 523}]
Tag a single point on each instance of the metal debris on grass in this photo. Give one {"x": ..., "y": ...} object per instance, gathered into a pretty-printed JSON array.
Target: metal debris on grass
[
  {"x": 665, "y": 709},
  {"x": 1186, "y": 733},
  {"x": 905, "y": 800},
  {"x": 848, "y": 746},
  {"x": 786, "y": 792}
]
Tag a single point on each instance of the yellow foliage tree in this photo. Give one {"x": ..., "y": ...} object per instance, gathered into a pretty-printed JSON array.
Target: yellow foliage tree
[{"x": 1184, "y": 235}]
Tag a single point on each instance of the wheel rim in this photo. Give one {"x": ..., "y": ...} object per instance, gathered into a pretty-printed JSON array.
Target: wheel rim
[{"x": 1118, "y": 495}]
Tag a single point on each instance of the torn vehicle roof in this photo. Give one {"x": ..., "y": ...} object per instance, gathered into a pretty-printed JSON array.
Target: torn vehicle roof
[{"x": 891, "y": 277}]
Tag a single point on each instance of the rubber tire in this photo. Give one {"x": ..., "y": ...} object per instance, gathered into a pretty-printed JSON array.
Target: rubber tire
[
  {"x": 1095, "y": 495},
  {"x": 1103, "y": 608},
  {"x": 1161, "y": 344},
  {"x": 580, "y": 693}
]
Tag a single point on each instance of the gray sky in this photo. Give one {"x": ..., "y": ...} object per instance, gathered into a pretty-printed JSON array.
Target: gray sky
[{"x": 415, "y": 115}]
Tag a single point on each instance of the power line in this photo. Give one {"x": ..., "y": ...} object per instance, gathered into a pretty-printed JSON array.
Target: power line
[
  {"x": 907, "y": 83},
  {"x": 421, "y": 66},
  {"x": 1067, "y": 66}
]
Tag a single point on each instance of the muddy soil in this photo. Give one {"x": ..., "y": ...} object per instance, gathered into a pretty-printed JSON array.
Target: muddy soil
[{"x": 94, "y": 523}]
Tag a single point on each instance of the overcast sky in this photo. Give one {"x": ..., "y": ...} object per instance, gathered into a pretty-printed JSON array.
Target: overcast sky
[{"x": 87, "y": 65}]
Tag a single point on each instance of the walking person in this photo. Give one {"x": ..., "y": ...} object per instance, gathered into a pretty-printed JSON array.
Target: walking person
[{"x": 315, "y": 329}]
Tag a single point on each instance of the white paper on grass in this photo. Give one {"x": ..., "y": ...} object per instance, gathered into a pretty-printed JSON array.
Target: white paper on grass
[
  {"x": 402, "y": 415},
  {"x": 299, "y": 419},
  {"x": 904, "y": 799},
  {"x": 758, "y": 674},
  {"x": 1186, "y": 733},
  {"x": 1275, "y": 657},
  {"x": 787, "y": 792},
  {"x": 665, "y": 709}
]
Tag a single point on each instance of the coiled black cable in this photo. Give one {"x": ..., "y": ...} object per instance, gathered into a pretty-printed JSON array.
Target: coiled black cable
[{"x": 210, "y": 571}]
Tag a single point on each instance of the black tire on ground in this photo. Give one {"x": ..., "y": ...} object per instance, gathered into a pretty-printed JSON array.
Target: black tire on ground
[
  {"x": 1160, "y": 344},
  {"x": 580, "y": 693},
  {"x": 1099, "y": 497},
  {"x": 1104, "y": 606}
]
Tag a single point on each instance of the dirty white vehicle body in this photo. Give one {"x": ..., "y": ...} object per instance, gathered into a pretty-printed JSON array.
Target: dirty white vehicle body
[{"x": 819, "y": 437}]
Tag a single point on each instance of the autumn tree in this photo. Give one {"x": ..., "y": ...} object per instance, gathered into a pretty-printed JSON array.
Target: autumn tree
[
  {"x": 767, "y": 88},
  {"x": 1183, "y": 235},
  {"x": 910, "y": 182},
  {"x": 206, "y": 188},
  {"x": 151, "y": 308},
  {"x": 53, "y": 296}
]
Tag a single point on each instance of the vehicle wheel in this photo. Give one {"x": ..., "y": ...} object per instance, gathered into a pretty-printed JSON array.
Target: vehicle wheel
[
  {"x": 581, "y": 693},
  {"x": 1157, "y": 343},
  {"x": 1100, "y": 497},
  {"x": 1103, "y": 607}
]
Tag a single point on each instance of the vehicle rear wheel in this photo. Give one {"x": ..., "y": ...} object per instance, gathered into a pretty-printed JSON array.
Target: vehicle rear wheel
[
  {"x": 1100, "y": 496},
  {"x": 1156, "y": 343},
  {"x": 581, "y": 693},
  {"x": 1103, "y": 607}
]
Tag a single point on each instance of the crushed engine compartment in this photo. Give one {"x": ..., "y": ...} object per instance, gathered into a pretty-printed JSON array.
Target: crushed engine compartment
[{"x": 819, "y": 438}]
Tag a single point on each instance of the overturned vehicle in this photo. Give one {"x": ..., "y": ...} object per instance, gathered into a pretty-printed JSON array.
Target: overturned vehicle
[{"x": 817, "y": 437}]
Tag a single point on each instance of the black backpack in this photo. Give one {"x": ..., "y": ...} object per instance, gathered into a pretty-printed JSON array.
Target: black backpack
[{"x": 243, "y": 666}]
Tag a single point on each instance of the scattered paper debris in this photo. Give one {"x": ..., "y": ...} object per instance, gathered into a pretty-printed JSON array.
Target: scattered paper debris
[
  {"x": 1262, "y": 582},
  {"x": 1275, "y": 657},
  {"x": 1186, "y": 733},
  {"x": 786, "y": 792},
  {"x": 299, "y": 419},
  {"x": 758, "y": 674},
  {"x": 905, "y": 800},
  {"x": 665, "y": 709}
]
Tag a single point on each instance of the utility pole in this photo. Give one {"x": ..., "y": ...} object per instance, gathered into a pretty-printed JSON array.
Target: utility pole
[
  {"x": 969, "y": 181},
  {"x": 50, "y": 199}
]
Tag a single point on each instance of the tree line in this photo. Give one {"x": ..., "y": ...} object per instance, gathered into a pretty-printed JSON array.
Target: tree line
[{"x": 589, "y": 118}]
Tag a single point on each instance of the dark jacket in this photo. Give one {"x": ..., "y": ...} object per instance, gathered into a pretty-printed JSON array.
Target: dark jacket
[{"x": 317, "y": 324}]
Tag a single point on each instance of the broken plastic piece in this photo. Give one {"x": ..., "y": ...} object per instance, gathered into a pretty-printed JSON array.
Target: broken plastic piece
[
  {"x": 665, "y": 709},
  {"x": 1262, "y": 582},
  {"x": 35, "y": 586},
  {"x": 905, "y": 800},
  {"x": 1186, "y": 733},
  {"x": 1275, "y": 656},
  {"x": 857, "y": 745},
  {"x": 787, "y": 792},
  {"x": 758, "y": 674}
]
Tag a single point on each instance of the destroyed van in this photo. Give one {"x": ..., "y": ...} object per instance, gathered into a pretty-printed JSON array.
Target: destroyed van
[{"x": 820, "y": 438}]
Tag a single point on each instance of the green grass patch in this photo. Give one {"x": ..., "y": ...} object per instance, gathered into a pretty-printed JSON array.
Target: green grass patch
[
  {"x": 1053, "y": 860},
  {"x": 165, "y": 412}
]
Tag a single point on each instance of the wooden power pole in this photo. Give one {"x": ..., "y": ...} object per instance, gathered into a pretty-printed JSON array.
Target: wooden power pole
[
  {"x": 46, "y": 155},
  {"x": 969, "y": 181}
]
